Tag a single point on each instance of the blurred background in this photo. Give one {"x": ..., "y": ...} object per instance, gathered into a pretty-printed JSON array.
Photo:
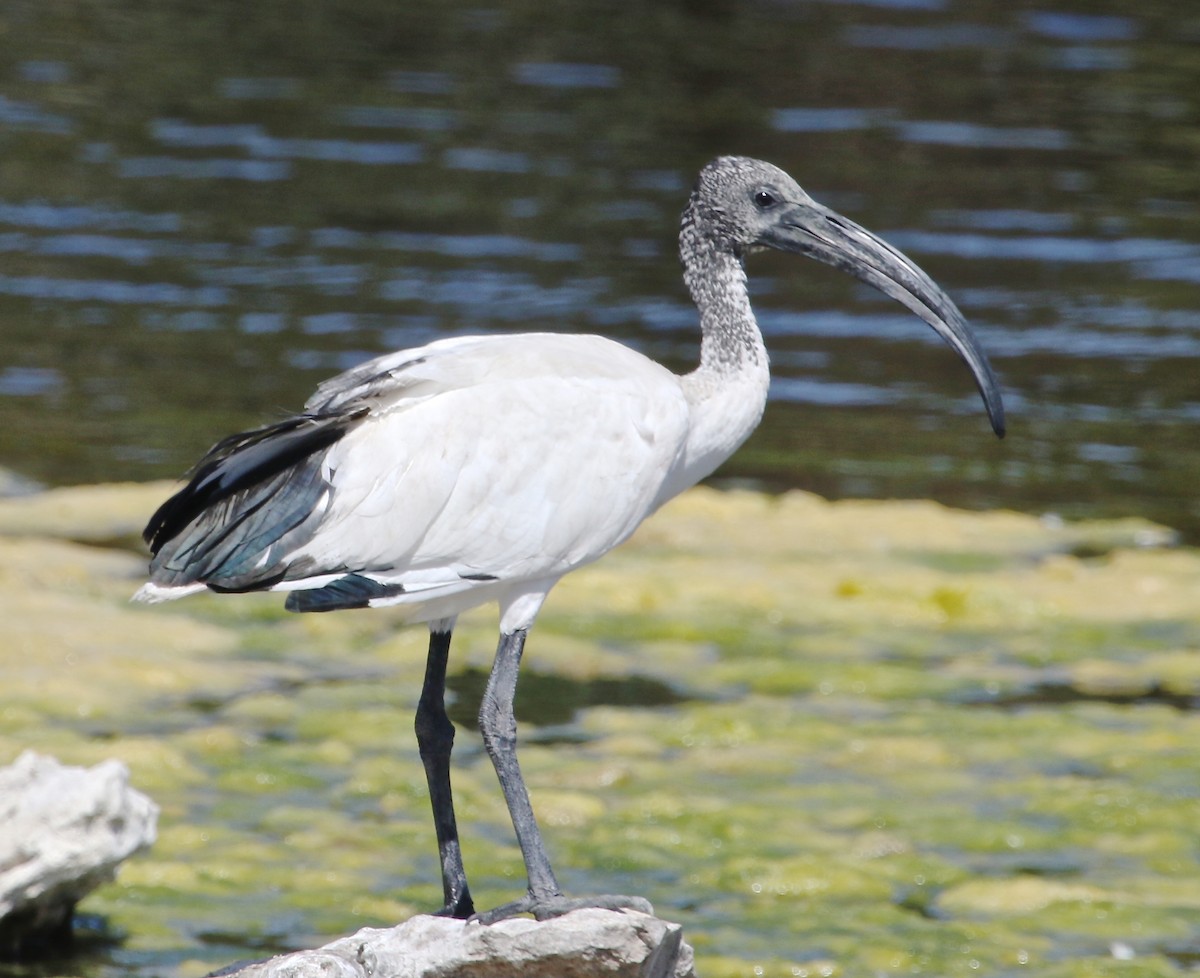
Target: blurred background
[{"x": 207, "y": 208}]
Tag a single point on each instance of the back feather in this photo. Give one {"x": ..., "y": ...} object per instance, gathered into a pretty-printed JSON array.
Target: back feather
[
  {"x": 244, "y": 496},
  {"x": 241, "y": 461}
]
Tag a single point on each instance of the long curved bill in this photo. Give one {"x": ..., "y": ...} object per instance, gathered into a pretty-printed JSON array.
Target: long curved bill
[{"x": 808, "y": 228}]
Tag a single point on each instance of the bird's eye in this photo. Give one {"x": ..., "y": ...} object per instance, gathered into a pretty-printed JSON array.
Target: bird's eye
[{"x": 764, "y": 199}]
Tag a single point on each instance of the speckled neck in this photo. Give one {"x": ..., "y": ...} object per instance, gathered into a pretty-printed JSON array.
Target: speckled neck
[
  {"x": 713, "y": 271},
  {"x": 726, "y": 394}
]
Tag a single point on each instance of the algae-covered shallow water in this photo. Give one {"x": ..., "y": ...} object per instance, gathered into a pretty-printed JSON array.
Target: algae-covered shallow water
[{"x": 829, "y": 738}]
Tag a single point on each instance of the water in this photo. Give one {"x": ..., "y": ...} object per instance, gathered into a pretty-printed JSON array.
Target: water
[
  {"x": 858, "y": 739},
  {"x": 203, "y": 214},
  {"x": 202, "y": 217}
]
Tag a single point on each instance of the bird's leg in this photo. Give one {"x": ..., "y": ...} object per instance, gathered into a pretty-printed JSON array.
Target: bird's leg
[
  {"x": 435, "y": 739},
  {"x": 498, "y": 724}
]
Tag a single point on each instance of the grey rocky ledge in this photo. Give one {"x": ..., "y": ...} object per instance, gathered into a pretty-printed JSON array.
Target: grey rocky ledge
[
  {"x": 581, "y": 944},
  {"x": 63, "y": 832}
]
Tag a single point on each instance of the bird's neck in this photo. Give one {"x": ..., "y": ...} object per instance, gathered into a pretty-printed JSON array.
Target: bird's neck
[
  {"x": 731, "y": 342},
  {"x": 728, "y": 391}
]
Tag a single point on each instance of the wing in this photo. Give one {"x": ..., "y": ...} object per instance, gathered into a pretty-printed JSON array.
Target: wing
[
  {"x": 259, "y": 494},
  {"x": 445, "y": 364},
  {"x": 254, "y": 493},
  {"x": 432, "y": 473}
]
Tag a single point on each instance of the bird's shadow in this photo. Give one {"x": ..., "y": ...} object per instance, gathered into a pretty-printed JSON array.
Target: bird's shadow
[{"x": 551, "y": 701}]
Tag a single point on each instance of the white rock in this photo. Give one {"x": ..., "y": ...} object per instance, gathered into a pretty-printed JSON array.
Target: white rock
[
  {"x": 581, "y": 944},
  {"x": 63, "y": 832}
]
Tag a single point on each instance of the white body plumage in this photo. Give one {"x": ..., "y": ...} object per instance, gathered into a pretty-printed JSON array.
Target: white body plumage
[{"x": 487, "y": 467}]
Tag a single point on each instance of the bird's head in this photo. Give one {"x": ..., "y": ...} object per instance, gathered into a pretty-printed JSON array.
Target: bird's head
[{"x": 742, "y": 205}]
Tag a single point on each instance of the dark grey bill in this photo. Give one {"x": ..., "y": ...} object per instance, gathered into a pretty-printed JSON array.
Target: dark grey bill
[{"x": 808, "y": 228}]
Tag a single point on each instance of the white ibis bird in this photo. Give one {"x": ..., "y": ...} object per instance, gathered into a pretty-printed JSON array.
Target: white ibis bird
[{"x": 484, "y": 468}]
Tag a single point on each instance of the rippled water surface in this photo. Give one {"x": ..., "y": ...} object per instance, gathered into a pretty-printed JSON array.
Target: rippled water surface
[{"x": 202, "y": 216}]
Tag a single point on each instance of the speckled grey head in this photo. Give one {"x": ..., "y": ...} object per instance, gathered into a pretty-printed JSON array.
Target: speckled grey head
[
  {"x": 741, "y": 204},
  {"x": 727, "y": 203}
]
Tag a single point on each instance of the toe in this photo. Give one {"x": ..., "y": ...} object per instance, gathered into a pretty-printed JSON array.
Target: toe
[{"x": 545, "y": 908}]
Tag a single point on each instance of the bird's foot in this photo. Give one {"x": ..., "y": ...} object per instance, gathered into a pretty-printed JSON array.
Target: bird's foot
[
  {"x": 461, "y": 907},
  {"x": 543, "y": 908}
]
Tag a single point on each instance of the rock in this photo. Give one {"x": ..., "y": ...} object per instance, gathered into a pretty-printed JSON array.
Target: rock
[
  {"x": 63, "y": 832},
  {"x": 581, "y": 944}
]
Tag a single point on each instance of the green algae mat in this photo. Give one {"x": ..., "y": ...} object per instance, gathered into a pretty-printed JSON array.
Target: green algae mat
[{"x": 856, "y": 738}]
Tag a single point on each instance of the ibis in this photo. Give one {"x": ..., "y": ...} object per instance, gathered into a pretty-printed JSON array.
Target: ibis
[{"x": 481, "y": 469}]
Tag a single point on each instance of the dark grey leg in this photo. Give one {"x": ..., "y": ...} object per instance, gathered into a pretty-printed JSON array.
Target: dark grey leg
[
  {"x": 499, "y": 728},
  {"x": 498, "y": 725},
  {"x": 435, "y": 739}
]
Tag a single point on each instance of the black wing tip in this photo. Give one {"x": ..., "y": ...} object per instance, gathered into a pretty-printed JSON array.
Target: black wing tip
[
  {"x": 169, "y": 519},
  {"x": 263, "y": 452}
]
